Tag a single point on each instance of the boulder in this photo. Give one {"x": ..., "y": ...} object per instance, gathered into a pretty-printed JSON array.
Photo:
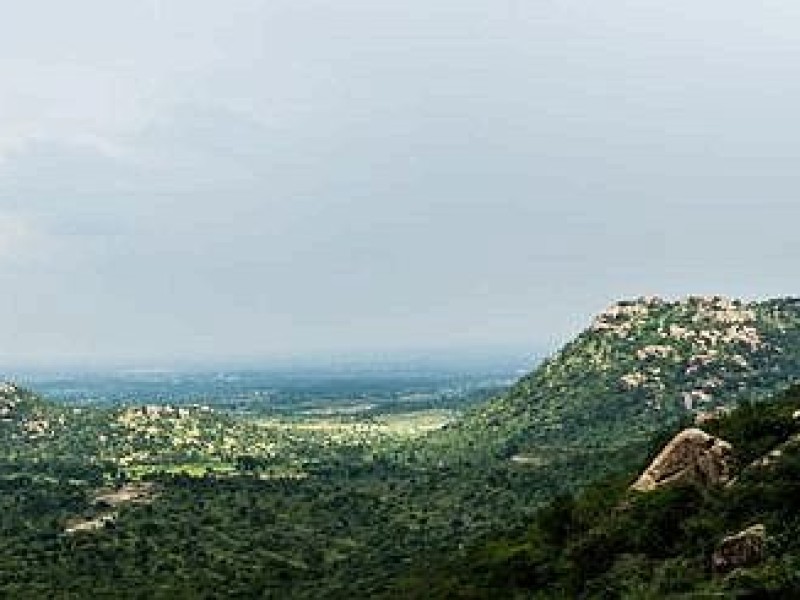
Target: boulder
[
  {"x": 743, "y": 549},
  {"x": 693, "y": 456}
]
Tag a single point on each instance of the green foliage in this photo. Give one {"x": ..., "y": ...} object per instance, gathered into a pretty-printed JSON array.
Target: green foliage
[
  {"x": 607, "y": 542},
  {"x": 754, "y": 429},
  {"x": 494, "y": 504}
]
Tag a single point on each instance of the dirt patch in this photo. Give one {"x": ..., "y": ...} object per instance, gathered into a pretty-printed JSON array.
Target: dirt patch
[
  {"x": 106, "y": 501},
  {"x": 132, "y": 493},
  {"x": 77, "y": 526}
]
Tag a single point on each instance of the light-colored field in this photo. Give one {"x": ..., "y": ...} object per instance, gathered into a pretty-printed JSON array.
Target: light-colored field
[{"x": 406, "y": 425}]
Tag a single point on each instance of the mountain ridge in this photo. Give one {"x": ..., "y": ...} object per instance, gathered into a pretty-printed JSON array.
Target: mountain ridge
[{"x": 644, "y": 364}]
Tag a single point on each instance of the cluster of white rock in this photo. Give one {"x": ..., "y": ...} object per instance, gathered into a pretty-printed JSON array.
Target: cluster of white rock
[
  {"x": 719, "y": 309},
  {"x": 696, "y": 333},
  {"x": 620, "y": 318},
  {"x": 716, "y": 320},
  {"x": 9, "y": 389},
  {"x": 654, "y": 351},
  {"x": 9, "y": 400},
  {"x": 705, "y": 339},
  {"x": 633, "y": 380},
  {"x": 31, "y": 426},
  {"x": 35, "y": 428}
]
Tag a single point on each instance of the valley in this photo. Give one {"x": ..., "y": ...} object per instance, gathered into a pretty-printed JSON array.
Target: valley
[{"x": 354, "y": 490}]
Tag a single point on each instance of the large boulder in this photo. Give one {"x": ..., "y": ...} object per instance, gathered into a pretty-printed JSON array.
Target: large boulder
[
  {"x": 693, "y": 456},
  {"x": 743, "y": 549}
]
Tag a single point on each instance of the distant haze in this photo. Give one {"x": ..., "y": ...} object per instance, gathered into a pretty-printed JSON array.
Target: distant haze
[{"x": 197, "y": 180}]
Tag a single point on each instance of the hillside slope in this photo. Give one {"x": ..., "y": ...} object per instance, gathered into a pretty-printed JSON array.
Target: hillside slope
[
  {"x": 279, "y": 509},
  {"x": 640, "y": 366},
  {"x": 686, "y": 539}
]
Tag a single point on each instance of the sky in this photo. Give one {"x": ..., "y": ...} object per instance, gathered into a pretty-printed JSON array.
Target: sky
[{"x": 207, "y": 180}]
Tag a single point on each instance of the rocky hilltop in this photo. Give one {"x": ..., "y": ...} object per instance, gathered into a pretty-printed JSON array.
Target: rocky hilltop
[{"x": 644, "y": 364}]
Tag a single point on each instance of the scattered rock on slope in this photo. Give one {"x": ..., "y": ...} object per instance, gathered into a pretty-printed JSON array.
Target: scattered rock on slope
[
  {"x": 693, "y": 456},
  {"x": 9, "y": 400}
]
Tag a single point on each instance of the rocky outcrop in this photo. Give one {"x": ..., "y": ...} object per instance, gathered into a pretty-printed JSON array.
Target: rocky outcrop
[
  {"x": 9, "y": 400},
  {"x": 692, "y": 456},
  {"x": 743, "y": 549}
]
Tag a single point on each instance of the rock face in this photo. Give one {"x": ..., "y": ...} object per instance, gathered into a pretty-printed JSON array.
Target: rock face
[
  {"x": 744, "y": 549},
  {"x": 692, "y": 456}
]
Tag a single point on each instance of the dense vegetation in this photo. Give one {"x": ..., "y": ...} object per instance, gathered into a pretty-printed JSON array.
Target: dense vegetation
[
  {"x": 610, "y": 542},
  {"x": 186, "y": 501}
]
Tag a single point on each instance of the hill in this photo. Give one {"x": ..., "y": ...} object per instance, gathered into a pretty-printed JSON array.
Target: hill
[
  {"x": 342, "y": 505},
  {"x": 640, "y": 366},
  {"x": 689, "y": 538}
]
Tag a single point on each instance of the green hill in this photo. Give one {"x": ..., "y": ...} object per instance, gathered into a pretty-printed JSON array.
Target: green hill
[
  {"x": 346, "y": 506},
  {"x": 639, "y": 366},
  {"x": 689, "y": 539}
]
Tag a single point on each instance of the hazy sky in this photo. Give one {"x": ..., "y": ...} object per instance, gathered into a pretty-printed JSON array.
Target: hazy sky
[{"x": 196, "y": 179}]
